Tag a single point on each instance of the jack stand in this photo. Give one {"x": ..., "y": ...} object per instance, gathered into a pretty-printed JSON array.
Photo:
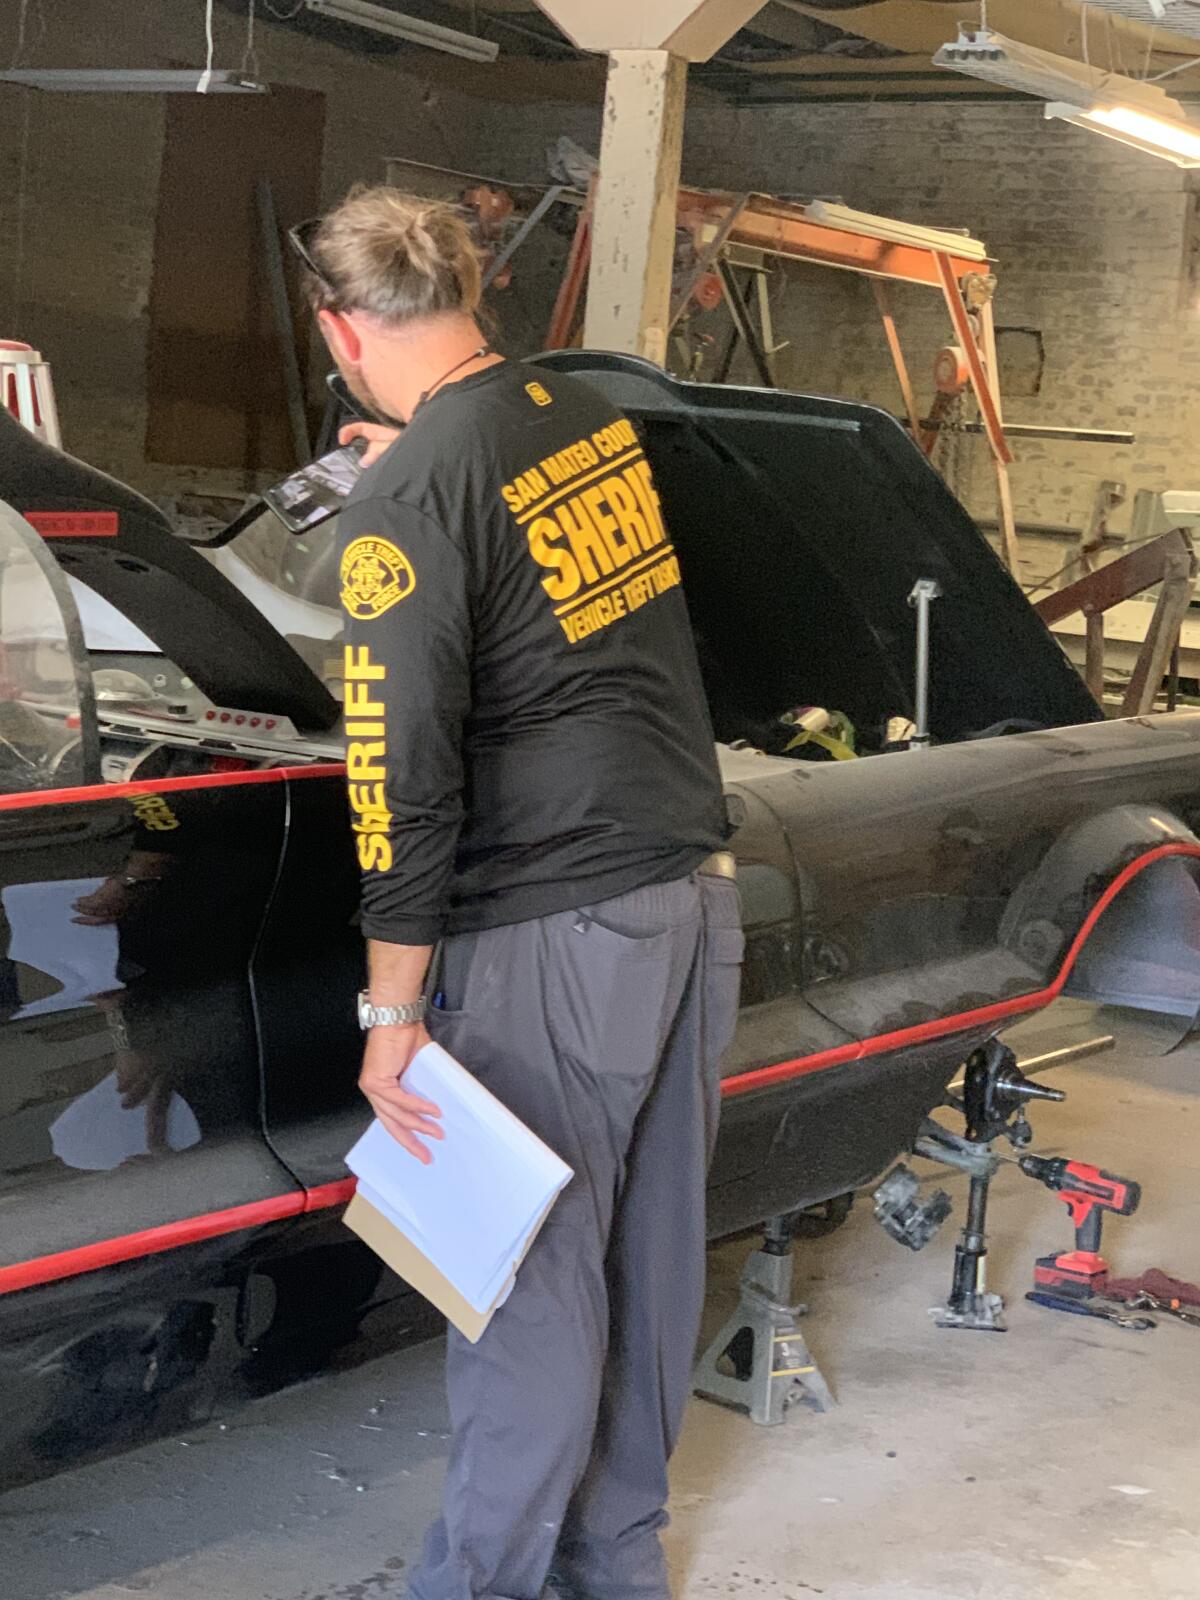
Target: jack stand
[{"x": 759, "y": 1361}]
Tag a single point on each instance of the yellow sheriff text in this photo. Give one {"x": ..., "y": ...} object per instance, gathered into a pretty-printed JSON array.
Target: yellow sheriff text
[
  {"x": 366, "y": 752},
  {"x": 606, "y": 609},
  {"x": 153, "y": 812},
  {"x": 532, "y": 486}
]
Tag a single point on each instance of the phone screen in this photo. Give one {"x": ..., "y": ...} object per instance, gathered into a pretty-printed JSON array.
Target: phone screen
[{"x": 318, "y": 490}]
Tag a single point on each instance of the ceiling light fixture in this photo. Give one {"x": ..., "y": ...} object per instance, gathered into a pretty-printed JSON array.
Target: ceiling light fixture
[
  {"x": 398, "y": 25},
  {"x": 980, "y": 53},
  {"x": 1172, "y": 140},
  {"x": 138, "y": 80},
  {"x": 1135, "y": 113},
  {"x": 146, "y": 80}
]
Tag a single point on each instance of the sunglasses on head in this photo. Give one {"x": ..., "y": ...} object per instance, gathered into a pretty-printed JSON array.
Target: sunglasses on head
[{"x": 302, "y": 238}]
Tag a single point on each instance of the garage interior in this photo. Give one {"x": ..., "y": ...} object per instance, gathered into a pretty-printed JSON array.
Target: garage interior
[{"x": 866, "y": 200}]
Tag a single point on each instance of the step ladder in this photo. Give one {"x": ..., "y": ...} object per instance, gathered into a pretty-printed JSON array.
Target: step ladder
[{"x": 27, "y": 390}]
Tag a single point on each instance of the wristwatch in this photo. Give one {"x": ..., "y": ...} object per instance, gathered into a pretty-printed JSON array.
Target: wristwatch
[{"x": 370, "y": 1016}]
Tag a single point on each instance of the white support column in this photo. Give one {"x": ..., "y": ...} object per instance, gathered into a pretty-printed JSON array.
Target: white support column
[{"x": 633, "y": 239}]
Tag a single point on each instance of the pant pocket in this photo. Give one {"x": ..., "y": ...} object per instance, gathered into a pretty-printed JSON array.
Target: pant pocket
[
  {"x": 609, "y": 992},
  {"x": 724, "y": 952},
  {"x": 459, "y": 980},
  {"x": 459, "y": 974}
]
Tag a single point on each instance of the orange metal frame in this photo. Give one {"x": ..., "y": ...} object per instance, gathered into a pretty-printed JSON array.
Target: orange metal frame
[{"x": 784, "y": 228}]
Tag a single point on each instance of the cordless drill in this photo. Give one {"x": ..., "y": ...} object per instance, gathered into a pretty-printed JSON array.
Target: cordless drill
[{"x": 1087, "y": 1193}]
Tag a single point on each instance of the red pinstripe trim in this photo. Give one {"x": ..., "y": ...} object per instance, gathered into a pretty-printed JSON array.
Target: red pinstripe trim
[
  {"x": 150, "y": 1242},
  {"x": 940, "y": 1027},
  {"x": 171, "y": 1235},
  {"x": 330, "y": 1194},
  {"x": 201, "y": 780}
]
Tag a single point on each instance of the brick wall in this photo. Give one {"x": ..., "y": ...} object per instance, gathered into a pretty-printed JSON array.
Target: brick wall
[
  {"x": 1089, "y": 239},
  {"x": 79, "y": 187}
]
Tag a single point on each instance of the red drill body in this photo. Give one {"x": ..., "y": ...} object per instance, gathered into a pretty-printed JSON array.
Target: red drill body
[{"x": 1087, "y": 1192}]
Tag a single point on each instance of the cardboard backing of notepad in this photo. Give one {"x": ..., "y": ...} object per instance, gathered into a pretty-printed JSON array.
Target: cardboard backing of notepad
[{"x": 411, "y": 1264}]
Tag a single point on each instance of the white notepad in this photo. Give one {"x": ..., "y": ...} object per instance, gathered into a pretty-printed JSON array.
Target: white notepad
[{"x": 457, "y": 1229}]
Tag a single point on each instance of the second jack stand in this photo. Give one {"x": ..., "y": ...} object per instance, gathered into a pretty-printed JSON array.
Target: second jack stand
[{"x": 759, "y": 1361}]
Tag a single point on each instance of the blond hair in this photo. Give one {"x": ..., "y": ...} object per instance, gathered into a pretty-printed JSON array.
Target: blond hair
[{"x": 396, "y": 256}]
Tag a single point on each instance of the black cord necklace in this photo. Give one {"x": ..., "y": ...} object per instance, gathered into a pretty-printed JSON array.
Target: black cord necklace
[{"x": 484, "y": 350}]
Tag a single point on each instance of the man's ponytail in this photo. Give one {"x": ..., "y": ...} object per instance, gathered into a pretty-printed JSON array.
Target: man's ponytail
[{"x": 396, "y": 256}]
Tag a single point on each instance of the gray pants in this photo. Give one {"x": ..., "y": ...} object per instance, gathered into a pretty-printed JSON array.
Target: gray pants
[{"x": 602, "y": 1029}]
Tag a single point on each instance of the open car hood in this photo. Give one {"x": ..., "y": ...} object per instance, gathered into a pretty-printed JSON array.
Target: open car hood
[{"x": 802, "y": 525}]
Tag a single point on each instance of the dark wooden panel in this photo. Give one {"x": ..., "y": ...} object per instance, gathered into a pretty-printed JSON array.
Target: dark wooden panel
[{"x": 216, "y": 394}]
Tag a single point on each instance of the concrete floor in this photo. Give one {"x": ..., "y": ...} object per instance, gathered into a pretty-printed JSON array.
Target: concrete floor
[{"x": 1059, "y": 1459}]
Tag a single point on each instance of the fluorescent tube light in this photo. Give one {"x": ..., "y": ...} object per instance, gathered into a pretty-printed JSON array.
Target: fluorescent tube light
[
  {"x": 398, "y": 25},
  {"x": 1136, "y": 113},
  {"x": 136, "y": 80},
  {"x": 1157, "y": 136}
]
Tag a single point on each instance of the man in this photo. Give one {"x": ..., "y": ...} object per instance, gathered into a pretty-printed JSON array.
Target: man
[{"x": 533, "y": 781}]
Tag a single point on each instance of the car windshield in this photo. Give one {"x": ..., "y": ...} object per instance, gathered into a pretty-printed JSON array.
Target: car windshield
[{"x": 43, "y": 674}]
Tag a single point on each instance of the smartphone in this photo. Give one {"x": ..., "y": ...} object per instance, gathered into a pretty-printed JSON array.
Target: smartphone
[{"x": 317, "y": 491}]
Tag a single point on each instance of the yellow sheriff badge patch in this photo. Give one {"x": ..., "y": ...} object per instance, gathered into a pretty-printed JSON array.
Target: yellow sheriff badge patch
[{"x": 375, "y": 576}]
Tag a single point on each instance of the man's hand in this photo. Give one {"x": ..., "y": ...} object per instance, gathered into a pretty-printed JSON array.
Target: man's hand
[
  {"x": 388, "y": 1054},
  {"x": 104, "y": 905},
  {"x": 379, "y": 438}
]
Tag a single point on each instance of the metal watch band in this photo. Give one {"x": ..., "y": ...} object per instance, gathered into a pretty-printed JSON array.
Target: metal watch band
[{"x": 370, "y": 1016}]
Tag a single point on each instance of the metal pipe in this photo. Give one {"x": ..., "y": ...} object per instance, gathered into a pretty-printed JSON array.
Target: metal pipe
[
  {"x": 1036, "y": 430},
  {"x": 416, "y": 30},
  {"x": 721, "y": 375},
  {"x": 281, "y": 312},
  {"x": 741, "y": 318},
  {"x": 551, "y": 197},
  {"x": 925, "y": 590},
  {"x": 970, "y": 1255},
  {"x": 1049, "y": 1059}
]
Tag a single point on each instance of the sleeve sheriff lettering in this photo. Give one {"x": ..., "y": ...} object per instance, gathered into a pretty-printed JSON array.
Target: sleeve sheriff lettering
[{"x": 408, "y": 674}]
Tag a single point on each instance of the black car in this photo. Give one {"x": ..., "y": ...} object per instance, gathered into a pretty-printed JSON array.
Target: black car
[{"x": 178, "y": 890}]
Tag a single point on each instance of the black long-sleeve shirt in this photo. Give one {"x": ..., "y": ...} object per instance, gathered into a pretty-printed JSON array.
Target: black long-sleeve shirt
[{"x": 526, "y": 727}]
